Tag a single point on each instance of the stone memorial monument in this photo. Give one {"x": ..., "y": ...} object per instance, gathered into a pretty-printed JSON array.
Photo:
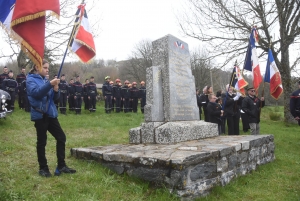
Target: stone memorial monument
[
  {"x": 171, "y": 113},
  {"x": 172, "y": 147}
]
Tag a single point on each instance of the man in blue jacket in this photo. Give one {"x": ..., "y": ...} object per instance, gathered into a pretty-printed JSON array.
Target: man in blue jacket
[{"x": 41, "y": 95}]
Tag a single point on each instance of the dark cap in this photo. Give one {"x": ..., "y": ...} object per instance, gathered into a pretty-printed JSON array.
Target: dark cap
[
  {"x": 91, "y": 77},
  {"x": 4, "y": 67},
  {"x": 62, "y": 75},
  {"x": 249, "y": 88},
  {"x": 77, "y": 76},
  {"x": 10, "y": 71}
]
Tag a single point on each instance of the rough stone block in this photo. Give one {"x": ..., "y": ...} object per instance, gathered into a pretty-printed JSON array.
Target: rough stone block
[{"x": 135, "y": 135}]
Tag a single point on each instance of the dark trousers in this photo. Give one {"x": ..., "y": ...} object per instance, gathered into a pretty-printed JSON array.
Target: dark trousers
[
  {"x": 121, "y": 105},
  {"x": 11, "y": 102},
  {"x": 63, "y": 102},
  {"x": 113, "y": 104},
  {"x": 245, "y": 122},
  {"x": 126, "y": 105},
  {"x": 86, "y": 102},
  {"x": 118, "y": 104},
  {"x": 78, "y": 102},
  {"x": 71, "y": 103},
  {"x": 135, "y": 104},
  {"x": 20, "y": 99},
  {"x": 205, "y": 115},
  {"x": 26, "y": 104},
  {"x": 143, "y": 103},
  {"x": 52, "y": 125},
  {"x": 92, "y": 103},
  {"x": 233, "y": 124},
  {"x": 108, "y": 104}
]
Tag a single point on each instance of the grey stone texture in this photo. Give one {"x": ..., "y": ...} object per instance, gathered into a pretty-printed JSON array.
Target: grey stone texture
[
  {"x": 189, "y": 169},
  {"x": 179, "y": 99}
]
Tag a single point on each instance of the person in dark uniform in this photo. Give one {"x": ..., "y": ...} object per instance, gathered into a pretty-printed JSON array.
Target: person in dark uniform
[
  {"x": 130, "y": 100},
  {"x": 113, "y": 107},
  {"x": 134, "y": 96},
  {"x": 10, "y": 85},
  {"x": 78, "y": 95},
  {"x": 142, "y": 96},
  {"x": 92, "y": 93},
  {"x": 3, "y": 76},
  {"x": 126, "y": 96},
  {"x": 70, "y": 96},
  {"x": 214, "y": 111},
  {"x": 107, "y": 93},
  {"x": 198, "y": 99},
  {"x": 117, "y": 95},
  {"x": 295, "y": 104},
  {"x": 85, "y": 95},
  {"x": 231, "y": 111},
  {"x": 204, "y": 100},
  {"x": 251, "y": 106},
  {"x": 25, "y": 100},
  {"x": 20, "y": 78},
  {"x": 63, "y": 87}
]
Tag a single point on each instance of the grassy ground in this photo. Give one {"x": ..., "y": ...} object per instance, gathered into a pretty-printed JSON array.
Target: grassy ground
[{"x": 19, "y": 180}]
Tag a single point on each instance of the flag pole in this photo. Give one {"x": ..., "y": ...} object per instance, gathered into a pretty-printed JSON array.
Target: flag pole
[
  {"x": 223, "y": 105},
  {"x": 66, "y": 51}
]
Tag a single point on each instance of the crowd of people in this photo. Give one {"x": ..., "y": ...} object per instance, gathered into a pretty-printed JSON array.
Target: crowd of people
[
  {"x": 228, "y": 107},
  {"x": 117, "y": 97}
]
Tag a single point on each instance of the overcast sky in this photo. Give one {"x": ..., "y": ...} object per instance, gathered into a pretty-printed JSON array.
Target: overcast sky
[{"x": 124, "y": 23}]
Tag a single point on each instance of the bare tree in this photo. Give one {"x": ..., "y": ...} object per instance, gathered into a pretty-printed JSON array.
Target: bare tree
[
  {"x": 225, "y": 27},
  {"x": 141, "y": 58}
]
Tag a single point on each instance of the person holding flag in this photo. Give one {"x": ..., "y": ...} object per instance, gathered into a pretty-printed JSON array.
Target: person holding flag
[{"x": 251, "y": 106}]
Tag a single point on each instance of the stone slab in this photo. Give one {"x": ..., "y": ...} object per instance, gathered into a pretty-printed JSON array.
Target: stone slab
[{"x": 189, "y": 169}]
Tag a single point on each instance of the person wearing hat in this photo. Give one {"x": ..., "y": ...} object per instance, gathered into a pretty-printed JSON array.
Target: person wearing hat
[
  {"x": 126, "y": 96},
  {"x": 134, "y": 95},
  {"x": 85, "y": 95},
  {"x": 107, "y": 93},
  {"x": 10, "y": 85},
  {"x": 142, "y": 96},
  {"x": 78, "y": 94},
  {"x": 92, "y": 94},
  {"x": 70, "y": 96},
  {"x": 214, "y": 111},
  {"x": 295, "y": 104},
  {"x": 251, "y": 105},
  {"x": 3, "y": 76},
  {"x": 20, "y": 78},
  {"x": 41, "y": 94},
  {"x": 63, "y": 87},
  {"x": 117, "y": 95}
]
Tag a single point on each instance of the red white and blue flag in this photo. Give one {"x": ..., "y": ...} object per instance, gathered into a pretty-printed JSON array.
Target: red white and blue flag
[
  {"x": 273, "y": 77},
  {"x": 251, "y": 60},
  {"x": 82, "y": 42},
  {"x": 179, "y": 44},
  {"x": 238, "y": 81},
  {"x": 24, "y": 20}
]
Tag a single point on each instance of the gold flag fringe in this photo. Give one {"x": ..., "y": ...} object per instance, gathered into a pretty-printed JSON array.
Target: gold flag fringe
[
  {"x": 55, "y": 15},
  {"x": 28, "y": 18},
  {"x": 83, "y": 43},
  {"x": 32, "y": 54}
]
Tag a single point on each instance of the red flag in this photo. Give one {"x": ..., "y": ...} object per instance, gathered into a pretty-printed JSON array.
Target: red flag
[
  {"x": 28, "y": 21},
  {"x": 82, "y": 43}
]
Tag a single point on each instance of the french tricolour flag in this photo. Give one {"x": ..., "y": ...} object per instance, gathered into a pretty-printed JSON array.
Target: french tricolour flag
[
  {"x": 6, "y": 13},
  {"x": 273, "y": 77},
  {"x": 238, "y": 81},
  {"x": 251, "y": 60},
  {"x": 82, "y": 42}
]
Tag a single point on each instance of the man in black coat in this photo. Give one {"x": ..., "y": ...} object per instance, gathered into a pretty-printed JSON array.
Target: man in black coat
[
  {"x": 78, "y": 94},
  {"x": 63, "y": 87},
  {"x": 10, "y": 85},
  {"x": 20, "y": 78},
  {"x": 3, "y": 76},
  {"x": 107, "y": 93},
  {"x": 92, "y": 94},
  {"x": 295, "y": 104},
  {"x": 251, "y": 106},
  {"x": 214, "y": 111}
]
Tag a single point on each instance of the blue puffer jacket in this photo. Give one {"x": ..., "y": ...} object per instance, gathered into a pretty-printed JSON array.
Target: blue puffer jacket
[{"x": 39, "y": 91}]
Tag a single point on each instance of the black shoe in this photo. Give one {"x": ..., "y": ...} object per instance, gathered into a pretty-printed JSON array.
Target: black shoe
[
  {"x": 45, "y": 172},
  {"x": 64, "y": 169}
]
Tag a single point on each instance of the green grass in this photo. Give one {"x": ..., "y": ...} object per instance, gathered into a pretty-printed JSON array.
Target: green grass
[{"x": 19, "y": 180}]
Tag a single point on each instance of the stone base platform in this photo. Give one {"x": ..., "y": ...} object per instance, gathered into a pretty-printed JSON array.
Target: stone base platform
[
  {"x": 189, "y": 169},
  {"x": 172, "y": 132}
]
